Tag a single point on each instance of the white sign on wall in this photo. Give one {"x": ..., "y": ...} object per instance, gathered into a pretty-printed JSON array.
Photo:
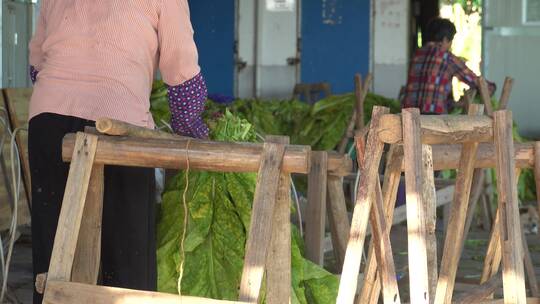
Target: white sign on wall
[{"x": 280, "y": 5}]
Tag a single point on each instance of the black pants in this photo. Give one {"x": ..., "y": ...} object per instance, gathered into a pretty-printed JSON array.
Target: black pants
[{"x": 128, "y": 257}]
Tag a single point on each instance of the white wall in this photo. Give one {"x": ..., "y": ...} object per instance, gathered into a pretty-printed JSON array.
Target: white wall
[
  {"x": 511, "y": 48},
  {"x": 390, "y": 43}
]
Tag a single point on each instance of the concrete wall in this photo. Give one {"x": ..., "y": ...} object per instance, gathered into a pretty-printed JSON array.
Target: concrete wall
[
  {"x": 510, "y": 49},
  {"x": 390, "y": 29}
]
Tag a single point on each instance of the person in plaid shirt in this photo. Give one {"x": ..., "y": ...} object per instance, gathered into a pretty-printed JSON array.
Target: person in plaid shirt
[{"x": 429, "y": 83}]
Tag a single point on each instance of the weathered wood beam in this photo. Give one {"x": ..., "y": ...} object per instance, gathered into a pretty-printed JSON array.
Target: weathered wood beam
[
  {"x": 438, "y": 129},
  {"x": 203, "y": 155}
]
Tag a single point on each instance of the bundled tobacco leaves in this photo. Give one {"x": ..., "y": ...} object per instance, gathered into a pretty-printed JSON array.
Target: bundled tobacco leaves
[{"x": 219, "y": 210}]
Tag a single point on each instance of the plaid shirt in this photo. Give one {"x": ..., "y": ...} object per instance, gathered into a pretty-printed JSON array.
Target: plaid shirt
[{"x": 429, "y": 83}]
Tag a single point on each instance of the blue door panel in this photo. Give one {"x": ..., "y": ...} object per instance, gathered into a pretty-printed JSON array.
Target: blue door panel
[
  {"x": 335, "y": 41},
  {"x": 213, "y": 22}
]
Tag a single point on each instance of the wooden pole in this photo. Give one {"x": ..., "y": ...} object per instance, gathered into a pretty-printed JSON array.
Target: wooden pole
[
  {"x": 364, "y": 201},
  {"x": 505, "y": 93},
  {"x": 357, "y": 119},
  {"x": 13, "y": 96},
  {"x": 439, "y": 129},
  {"x": 529, "y": 268},
  {"x": 429, "y": 199},
  {"x": 359, "y": 104},
  {"x": 337, "y": 218},
  {"x": 119, "y": 128},
  {"x": 513, "y": 276},
  {"x": 479, "y": 293},
  {"x": 477, "y": 190},
  {"x": 537, "y": 172},
  {"x": 69, "y": 293},
  {"x": 454, "y": 237},
  {"x": 278, "y": 263},
  {"x": 447, "y": 156},
  {"x": 88, "y": 253},
  {"x": 383, "y": 249},
  {"x": 484, "y": 94},
  {"x": 316, "y": 210},
  {"x": 203, "y": 155},
  {"x": 260, "y": 230},
  {"x": 392, "y": 174},
  {"x": 69, "y": 223},
  {"x": 416, "y": 217}
]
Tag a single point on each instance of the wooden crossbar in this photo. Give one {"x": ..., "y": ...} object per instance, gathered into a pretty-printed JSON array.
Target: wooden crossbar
[
  {"x": 439, "y": 129},
  {"x": 203, "y": 155}
]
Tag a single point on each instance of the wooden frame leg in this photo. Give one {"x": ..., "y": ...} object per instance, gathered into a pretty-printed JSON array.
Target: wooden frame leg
[
  {"x": 260, "y": 230},
  {"x": 371, "y": 288},
  {"x": 316, "y": 210},
  {"x": 364, "y": 201},
  {"x": 73, "y": 204},
  {"x": 278, "y": 263},
  {"x": 513, "y": 274},
  {"x": 476, "y": 192},
  {"x": 537, "y": 171},
  {"x": 88, "y": 253},
  {"x": 529, "y": 268},
  {"x": 429, "y": 199},
  {"x": 337, "y": 218},
  {"x": 458, "y": 216},
  {"x": 416, "y": 216}
]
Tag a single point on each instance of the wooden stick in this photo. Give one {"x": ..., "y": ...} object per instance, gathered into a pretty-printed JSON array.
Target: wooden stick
[
  {"x": 260, "y": 230},
  {"x": 278, "y": 263},
  {"x": 337, "y": 218},
  {"x": 447, "y": 156},
  {"x": 537, "y": 172},
  {"x": 88, "y": 253},
  {"x": 357, "y": 119},
  {"x": 476, "y": 191},
  {"x": 65, "y": 241},
  {"x": 440, "y": 129},
  {"x": 529, "y": 269},
  {"x": 494, "y": 251},
  {"x": 67, "y": 293},
  {"x": 360, "y": 122},
  {"x": 119, "y": 128},
  {"x": 454, "y": 237},
  {"x": 383, "y": 249},
  {"x": 484, "y": 94},
  {"x": 429, "y": 199},
  {"x": 203, "y": 155},
  {"x": 479, "y": 293},
  {"x": 416, "y": 219},
  {"x": 505, "y": 93},
  {"x": 13, "y": 96},
  {"x": 392, "y": 174},
  {"x": 359, "y": 104},
  {"x": 353, "y": 255},
  {"x": 487, "y": 213},
  {"x": 513, "y": 276},
  {"x": 316, "y": 211}
]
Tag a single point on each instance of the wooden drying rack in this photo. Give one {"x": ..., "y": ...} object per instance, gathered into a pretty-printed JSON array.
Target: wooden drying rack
[
  {"x": 420, "y": 144},
  {"x": 74, "y": 267}
]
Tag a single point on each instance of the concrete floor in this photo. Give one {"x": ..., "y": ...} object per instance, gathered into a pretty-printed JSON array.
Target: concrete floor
[{"x": 20, "y": 279}]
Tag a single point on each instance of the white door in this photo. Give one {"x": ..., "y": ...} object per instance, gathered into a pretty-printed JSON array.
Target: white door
[
  {"x": 512, "y": 48},
  {"x": 267, "y": 52}
]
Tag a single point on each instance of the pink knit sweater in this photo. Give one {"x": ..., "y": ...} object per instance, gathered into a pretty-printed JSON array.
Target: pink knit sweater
[{"x": 98, "y": 58}]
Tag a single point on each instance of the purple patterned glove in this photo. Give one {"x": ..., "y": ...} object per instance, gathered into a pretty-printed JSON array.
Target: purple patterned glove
[
  {"x": 186, "y": 102},
  {"x": 33, "y": 74}
]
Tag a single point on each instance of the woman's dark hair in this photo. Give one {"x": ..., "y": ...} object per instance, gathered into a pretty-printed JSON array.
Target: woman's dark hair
[{"x": 438, "y": 29}]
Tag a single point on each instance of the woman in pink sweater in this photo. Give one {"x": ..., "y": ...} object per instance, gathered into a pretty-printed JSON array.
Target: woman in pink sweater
[{"x": 92, "y": 59}]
